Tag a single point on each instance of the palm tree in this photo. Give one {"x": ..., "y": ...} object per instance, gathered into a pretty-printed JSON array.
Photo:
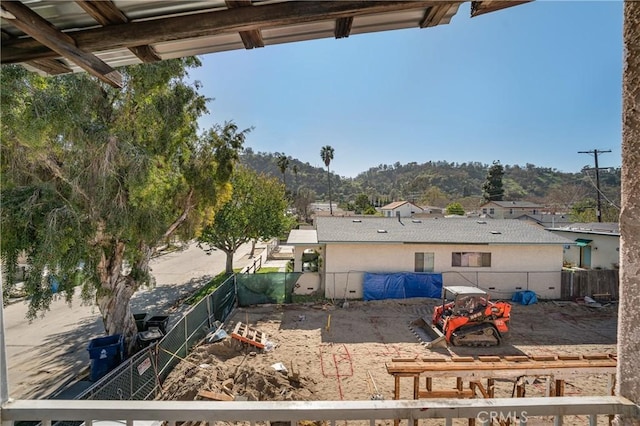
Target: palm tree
[
  {"x": 295, "y": 174},
  {"x": 326, "y": 153},
  {"x": 283, "y": 164}
]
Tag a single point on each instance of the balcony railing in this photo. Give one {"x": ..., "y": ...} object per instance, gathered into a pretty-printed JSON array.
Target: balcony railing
[{"x": 517, "y": 410}]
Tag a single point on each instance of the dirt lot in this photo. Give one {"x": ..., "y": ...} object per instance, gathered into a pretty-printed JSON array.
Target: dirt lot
[{"x": 336, "y": 349}]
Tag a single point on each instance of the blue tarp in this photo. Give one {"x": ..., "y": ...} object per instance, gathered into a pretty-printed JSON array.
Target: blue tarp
[
  {"x": 525, "y": 297},
  {"x": 401, "y": 285}
]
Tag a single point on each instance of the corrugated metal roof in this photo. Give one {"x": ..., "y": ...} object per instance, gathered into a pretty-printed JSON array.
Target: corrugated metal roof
[
  {"x": 433, "y": 231},
  {"x": 272, "y": 28}
]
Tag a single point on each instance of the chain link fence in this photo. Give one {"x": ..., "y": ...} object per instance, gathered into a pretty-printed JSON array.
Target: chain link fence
[{"x": 141, "y": 376}]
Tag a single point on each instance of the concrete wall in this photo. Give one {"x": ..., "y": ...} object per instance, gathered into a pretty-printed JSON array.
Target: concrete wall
[{"x": 513, "y": 267}]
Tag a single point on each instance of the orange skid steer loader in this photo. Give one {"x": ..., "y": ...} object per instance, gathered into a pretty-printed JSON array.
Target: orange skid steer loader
[{"x": 466, "y": 317}]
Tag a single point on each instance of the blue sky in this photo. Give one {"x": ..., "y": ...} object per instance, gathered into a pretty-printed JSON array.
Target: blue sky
[{"x": 534, "y": 84}]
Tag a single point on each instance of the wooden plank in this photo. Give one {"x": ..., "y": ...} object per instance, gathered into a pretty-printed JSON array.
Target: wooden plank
[
  {"x": 483, "y": 391},
  {"x": 64, "y": 45},
  {"x": 543, "y": 357},
  {"x": 462, "y": 359},
  {"x": 249, "y": 335},
  {"x": 215, "y": 396},
  {"x": 343, "y": 27},
  {"x": 105, "y": 12},
  {"x": 489, "y": 358},
  {"x": 516, "y": 358}
]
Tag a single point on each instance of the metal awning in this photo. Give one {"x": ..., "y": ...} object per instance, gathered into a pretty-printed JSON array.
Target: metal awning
[{"x": 581, "y": 242}]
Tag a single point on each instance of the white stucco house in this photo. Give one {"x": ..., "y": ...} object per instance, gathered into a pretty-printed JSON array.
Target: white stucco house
[
  {"x": 510, "y": 209},
  {"x": 402, "y": 208},
  {"x": 593, "y": 245},
  {"x": 502, "y": 256}
]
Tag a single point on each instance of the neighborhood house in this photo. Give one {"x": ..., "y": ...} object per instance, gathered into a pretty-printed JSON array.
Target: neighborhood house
[
  {"x": 400, "y": 208},
  {"x": 509, "y": 209},
  {"x": 501, "y": 256},
  {"x": 594, "y": 245}
]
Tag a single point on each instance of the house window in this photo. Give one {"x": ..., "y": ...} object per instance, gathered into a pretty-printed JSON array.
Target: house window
[
  {"x": 484, "y": 211},
  {"x": 310, "y": 260},
  {"x": 471, "y": 259},
  {"x": 424, "y": 262},
  {"x": 492, "y": 211},
  {"x": 534, "y": 211},
  {"x": 510, "y": 211}
]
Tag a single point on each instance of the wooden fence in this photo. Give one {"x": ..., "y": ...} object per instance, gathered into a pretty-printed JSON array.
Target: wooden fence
[{"x": 580, "y": 283}]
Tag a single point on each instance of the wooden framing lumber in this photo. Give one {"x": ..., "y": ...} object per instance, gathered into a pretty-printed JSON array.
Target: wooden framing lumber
[
  {"x": 64, "y": 45},
  {"x": 249, "y": 335},
  {"x": 486, "y": 6},
  {"x": 251, "y": 38},
  {"x": 106, "y": 13},
  {"x": 204, "y": 24}
]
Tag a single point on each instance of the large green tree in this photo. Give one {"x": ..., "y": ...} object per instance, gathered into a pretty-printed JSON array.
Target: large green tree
[
  {"x": 326, "y": 153},
  {"x": 492, "y": 189},
  {"x": 94, "y": 178},
  {"x": 257, "y": 210}
]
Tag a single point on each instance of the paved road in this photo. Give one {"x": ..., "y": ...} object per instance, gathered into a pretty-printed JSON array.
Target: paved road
[{"x": 49, "y": 352}]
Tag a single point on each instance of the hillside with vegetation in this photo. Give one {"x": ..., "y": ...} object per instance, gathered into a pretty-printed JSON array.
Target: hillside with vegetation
[{"x": 440, "y": 183}]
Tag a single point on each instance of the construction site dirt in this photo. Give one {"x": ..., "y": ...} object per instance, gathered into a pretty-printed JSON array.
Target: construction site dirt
[{"x": 339, "y": 352}]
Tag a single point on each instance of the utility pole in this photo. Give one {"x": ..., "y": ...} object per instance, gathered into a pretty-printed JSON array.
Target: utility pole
[{"x": 595, "y": 153}]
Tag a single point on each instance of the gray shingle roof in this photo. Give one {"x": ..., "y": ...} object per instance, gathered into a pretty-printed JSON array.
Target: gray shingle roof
[{"x": 435, "y": 231}]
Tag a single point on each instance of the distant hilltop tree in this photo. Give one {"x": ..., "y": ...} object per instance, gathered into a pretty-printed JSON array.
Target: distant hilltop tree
[{"x": 492, "y": 189}]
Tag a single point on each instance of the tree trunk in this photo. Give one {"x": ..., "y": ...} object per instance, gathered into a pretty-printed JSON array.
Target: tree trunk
[
  {"x": 115, "y": 293},
  {"x": 114, "y": 305},
  {"x": 229, "y": 264},
  {"x": 253, "y": 248}
]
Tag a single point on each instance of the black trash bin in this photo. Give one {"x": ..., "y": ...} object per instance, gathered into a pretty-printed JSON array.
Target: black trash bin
[
  {"x": 145, "y": 338},
  {"x": 140, "y": 320},
  {"x": 157, "y": 321},
  {"x": 105, "y": 354}
]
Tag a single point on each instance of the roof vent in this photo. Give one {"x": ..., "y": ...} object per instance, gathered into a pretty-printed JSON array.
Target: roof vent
[
  {"x": 382, "y": 231},
  {"x": 482, "y": 222},
  {"x": 496, "y": 232},
  {"x": 416, "y": 221},
  {"x": 356, "y": 220}
]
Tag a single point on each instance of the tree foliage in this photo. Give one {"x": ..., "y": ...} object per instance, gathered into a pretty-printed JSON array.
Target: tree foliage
[
  {"x": 257, "y": 210},
  {"x": 283, "y": 165},
  {"x": 455, "y": 209},
  {"x": 437, "y": 183},
  {"x": 326, "y": 153},
  {"x": 492, "y": 189},
  {"x": 93, "y": 178},
  {"x": 584, "y": 211}
]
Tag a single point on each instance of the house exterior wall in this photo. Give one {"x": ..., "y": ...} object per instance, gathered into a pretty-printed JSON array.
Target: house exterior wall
[
  {"x": 513, "y": 267},
  {"x": 605, "y": 249},
  {"x": 500, "y": 212},
  {"x": 406, "y": 210}
]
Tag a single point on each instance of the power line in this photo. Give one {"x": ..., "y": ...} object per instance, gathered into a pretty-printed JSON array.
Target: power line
[{"x": 595, "y": 153}]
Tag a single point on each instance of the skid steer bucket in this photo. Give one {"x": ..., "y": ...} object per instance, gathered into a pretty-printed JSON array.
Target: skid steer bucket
[{"x": 429, "y": 335}]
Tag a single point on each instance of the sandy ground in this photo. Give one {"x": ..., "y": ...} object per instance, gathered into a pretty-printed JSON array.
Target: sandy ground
[{"x": 337, "y": 350}]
